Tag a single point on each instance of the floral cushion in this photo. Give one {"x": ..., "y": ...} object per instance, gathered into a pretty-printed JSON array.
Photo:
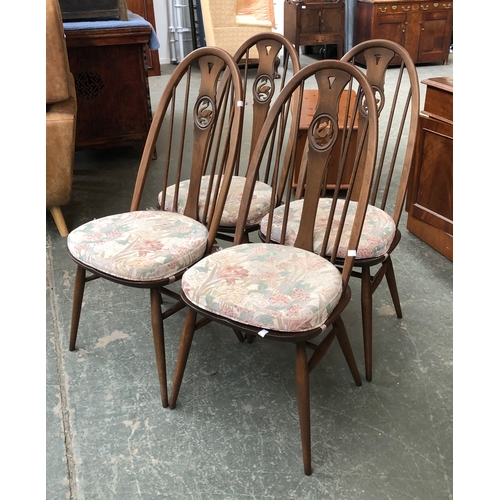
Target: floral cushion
[
  {"x": 268, "y": 286},
  {"x": 139, "y": 246},
  {"x": 376, "y": 238},
  {"x": 258, "y": 208}
]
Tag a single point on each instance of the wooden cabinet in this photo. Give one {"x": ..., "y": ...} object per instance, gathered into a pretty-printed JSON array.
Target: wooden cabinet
[
  {"x": 430, "y": 188},
  {"x": 315, "y": 23},
  {"x": 423, "y": 28},
  {"x": 112, "y": 91}
]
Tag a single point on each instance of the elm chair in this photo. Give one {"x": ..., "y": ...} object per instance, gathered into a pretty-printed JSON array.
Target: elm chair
[
  {"x": 258, "y": 59},
  {"x": 398, "y": 108},
  {"x": 195, "y": 131},
  {"x": 279, "y": 292}
]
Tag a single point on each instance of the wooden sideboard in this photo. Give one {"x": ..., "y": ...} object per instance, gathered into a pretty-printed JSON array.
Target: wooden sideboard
[
  {"x": 315, "y": 22},
  {"x": 424, "y": 29},
  {"x": 111, "y": 80},
  {"x": 429, "y": 201}
]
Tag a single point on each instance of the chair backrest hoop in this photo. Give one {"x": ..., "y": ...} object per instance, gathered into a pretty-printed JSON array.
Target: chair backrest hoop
[
  {"x": 377, "y": 56},
  {"x": 216, "y": 102}
]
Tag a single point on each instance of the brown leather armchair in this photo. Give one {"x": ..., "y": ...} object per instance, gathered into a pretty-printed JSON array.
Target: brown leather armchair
[{"x": 60, "y": 117}]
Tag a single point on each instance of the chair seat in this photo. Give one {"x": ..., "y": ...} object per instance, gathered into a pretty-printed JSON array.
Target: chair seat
[
  {"x": 139, "y": 246},
  {"x": 258, "y": 208},
  {"x": 376, "y": 237},
  {"x": 268, "y": 286}
]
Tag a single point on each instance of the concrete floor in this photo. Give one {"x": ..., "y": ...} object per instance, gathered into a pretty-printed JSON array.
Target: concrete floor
[{"x": 235, "y": 433}]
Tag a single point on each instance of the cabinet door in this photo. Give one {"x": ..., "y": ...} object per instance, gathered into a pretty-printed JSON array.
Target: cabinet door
[
  {"x": 391, "y": 27},
  {"x": 331, "y": 21},
  {"x": 430, "y": 192},
  {"x": 435, "y": 36}
]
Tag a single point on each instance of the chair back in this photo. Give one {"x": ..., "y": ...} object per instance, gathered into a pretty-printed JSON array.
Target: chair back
[
  {"x": 398, "y": 108},
  {"x": 330, "y": 78},
  {"x": 266, "y": 61},
  {"x": 195, "y": 132}
]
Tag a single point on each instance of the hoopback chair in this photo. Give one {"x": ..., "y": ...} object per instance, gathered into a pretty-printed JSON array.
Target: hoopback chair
[
  {"x": 288, "y": 293},
  {"x": 398, "y": 108},
  {"x": 196, "y": 130},
  {"x": 260, "y": 91}
]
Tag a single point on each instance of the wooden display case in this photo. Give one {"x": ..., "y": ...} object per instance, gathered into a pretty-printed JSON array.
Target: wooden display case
[
  {"x": 314, "y": 22},
  {"x": 424, "y": 29},
  {"x": 430, "y": 189}
]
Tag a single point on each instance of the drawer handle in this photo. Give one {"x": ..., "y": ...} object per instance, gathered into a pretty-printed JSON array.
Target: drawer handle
[
  {"x": 320, "y": 39},
  {"x": 436, "y": 5},
  {"x": 394, "y": 7},
  {"x": 447, "y": 6},
  {"x": 406, "y": 8},
  {"x": 424, "y": 7},
  {"x": 382, "y": 9}
]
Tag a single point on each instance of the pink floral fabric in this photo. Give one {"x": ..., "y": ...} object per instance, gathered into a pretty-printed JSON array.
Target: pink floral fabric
[
  {"x": 376, "y": 237},
  {"x": 268, "y": 286},
  {"x": 139, "y": 246},
  {"x": 258, "y": 207}
]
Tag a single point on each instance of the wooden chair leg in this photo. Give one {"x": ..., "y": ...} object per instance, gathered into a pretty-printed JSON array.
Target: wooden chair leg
[
  {"x": 59, "y": 220},
  {"x": 345, "y": 345},
  {"x": 159, "y": 342},
  {"x": 182, "y": 356},
  {"x": 367, "y": 312},
  {"x": 303, "y": 398},
  {"x": 78, "y": 290},
  {"x": 393, "y": 287}
]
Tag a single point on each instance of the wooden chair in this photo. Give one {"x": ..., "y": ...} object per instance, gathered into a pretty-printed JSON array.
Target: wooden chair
[
  {"x": 196, "y": 131},
  {"x": 260, "y": 89},
  {"x": 398, "y": 108},
  {"x": 280, "y": 292}
]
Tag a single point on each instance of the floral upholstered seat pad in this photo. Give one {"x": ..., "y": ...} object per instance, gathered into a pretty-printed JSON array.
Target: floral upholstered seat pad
[
  {"x": 139, "y": 246},
  {"x": 376, "y": 237},
  {"x": 268, "y": 286},
  {"x": 258, "y": 207}
]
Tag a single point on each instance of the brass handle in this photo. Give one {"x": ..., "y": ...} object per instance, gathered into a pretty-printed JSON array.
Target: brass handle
[
  {"x": 394, "y": 7},
  {"x": 447, "y": 6},
  {"x": 319, "y": 39},
  {"x": 382, "y": 9},
  {"x": 436, "y": 5},
  {"x": 406, "y": 8},
  {"x": 424, "y": 8}
]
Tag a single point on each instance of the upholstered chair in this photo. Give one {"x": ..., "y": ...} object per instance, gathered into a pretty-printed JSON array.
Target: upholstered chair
[{"x": 60, "y": 118}]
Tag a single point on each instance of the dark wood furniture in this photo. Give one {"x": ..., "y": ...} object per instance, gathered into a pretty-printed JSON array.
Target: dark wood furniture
[
  {"x": 430, "y": 190},
  {"x": 111, "y": 80},
  {"x": 313, "y": 22},
  {"x": 145, "y": 9},
  {"x": 423, "y": 28}
]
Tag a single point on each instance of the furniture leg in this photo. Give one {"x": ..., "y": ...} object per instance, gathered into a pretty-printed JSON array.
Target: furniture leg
[
  {"x": 78, "y": 290},
  {"x": 366, "y": 313},
  {"x": 185, "y": 346},
  {"x": 303, "y": 398},
  {"x": 58, "y": 217},
  {"x": 345, "y": 345},
  {"x": 159, "y": 342},
  {"x": 393, "y": 287}
]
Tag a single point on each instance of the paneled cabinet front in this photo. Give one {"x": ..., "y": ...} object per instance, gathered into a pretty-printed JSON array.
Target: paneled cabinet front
[{"x": 423, "y": 28}]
